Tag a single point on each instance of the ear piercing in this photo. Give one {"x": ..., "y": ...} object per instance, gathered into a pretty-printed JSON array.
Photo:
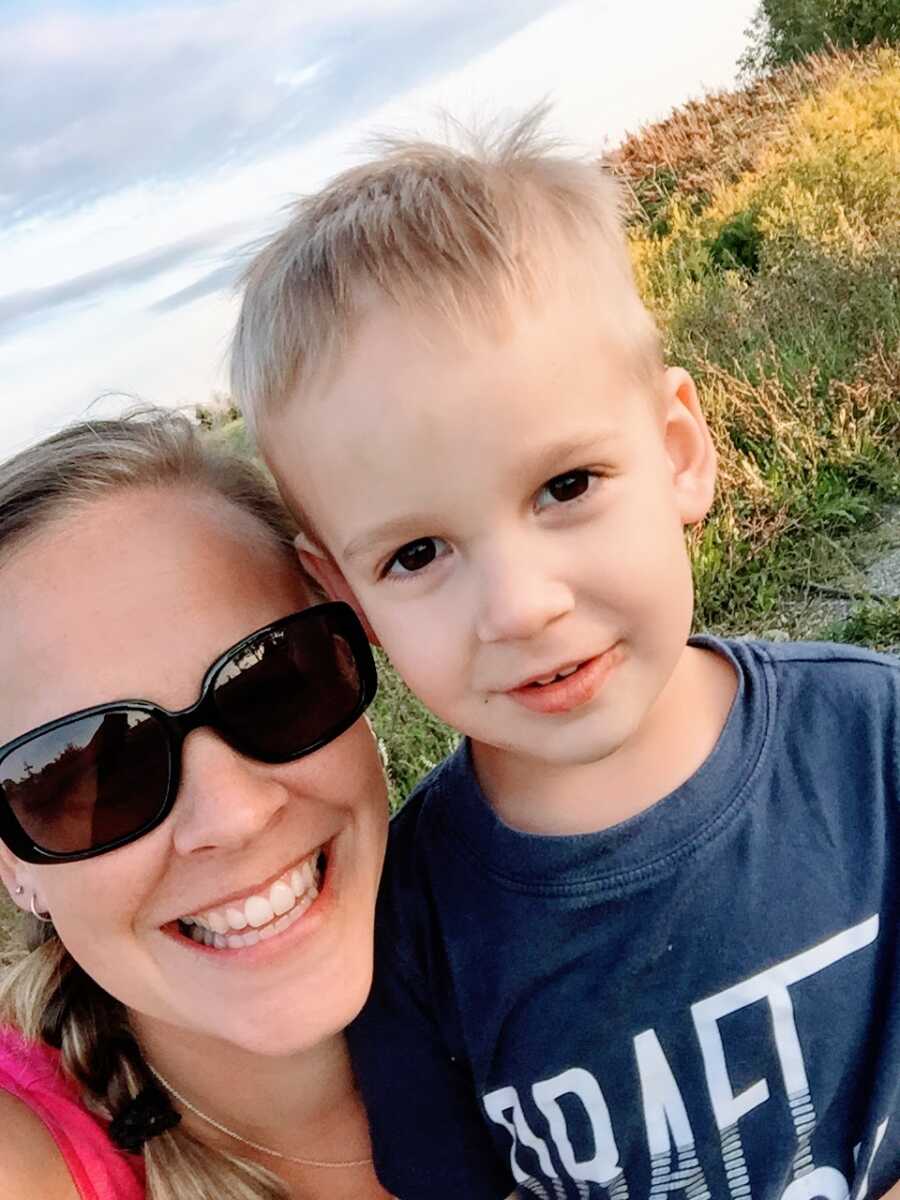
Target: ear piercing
[{"x": 45, "y": 917}]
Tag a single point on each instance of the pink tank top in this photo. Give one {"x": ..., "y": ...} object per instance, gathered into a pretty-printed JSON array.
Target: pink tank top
[{"x": 31, "y": 1072}]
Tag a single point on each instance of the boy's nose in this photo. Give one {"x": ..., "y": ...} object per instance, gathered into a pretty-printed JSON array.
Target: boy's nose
[
  {"x": 518, "y": 601},
  {"x": 224, "y": 800}
]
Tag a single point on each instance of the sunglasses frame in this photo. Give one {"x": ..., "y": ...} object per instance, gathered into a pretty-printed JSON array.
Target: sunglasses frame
[{"x": 176, "y": 726}]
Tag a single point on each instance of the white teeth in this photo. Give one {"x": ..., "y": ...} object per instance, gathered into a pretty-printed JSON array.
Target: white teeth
[
  {"x": 218, "y": 922},
  {"x": 259, "y": 911},
  {"x": 236, "y": 918},
  {"x": 544, "y": 680},
  {"x": 260, "y": 916},
  {"x": 281, "y": 897},
  {"x": 237, "y": 941}
]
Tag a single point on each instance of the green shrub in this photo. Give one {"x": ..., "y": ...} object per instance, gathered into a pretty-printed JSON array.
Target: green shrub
[
  {"x": 784, "y": 31},
  {"x": 737, "y": 245}
]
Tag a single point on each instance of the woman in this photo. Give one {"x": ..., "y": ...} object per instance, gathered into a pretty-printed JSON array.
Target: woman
[{"x": 200, "y": 886}]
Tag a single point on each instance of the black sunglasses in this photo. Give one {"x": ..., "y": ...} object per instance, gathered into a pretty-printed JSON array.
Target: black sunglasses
[{"x": 104, "y": 776}]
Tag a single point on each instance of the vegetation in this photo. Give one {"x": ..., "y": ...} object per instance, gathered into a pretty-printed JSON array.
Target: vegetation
[
  {"x": 785, "y": 31},
  {"x": 766, "y": 235},
  {"x": 411, "y": 739},
  {"x": 872, "y": 623}
]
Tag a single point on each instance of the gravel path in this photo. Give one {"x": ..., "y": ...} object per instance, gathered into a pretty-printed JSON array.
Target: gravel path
[{"x": 884, "y": 576}]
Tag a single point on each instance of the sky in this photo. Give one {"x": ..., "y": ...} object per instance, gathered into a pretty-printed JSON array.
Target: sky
[{"x": 144, "y": 146}]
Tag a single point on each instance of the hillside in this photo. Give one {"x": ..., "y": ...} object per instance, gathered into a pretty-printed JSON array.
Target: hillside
[{"x": 766, "y": 235}]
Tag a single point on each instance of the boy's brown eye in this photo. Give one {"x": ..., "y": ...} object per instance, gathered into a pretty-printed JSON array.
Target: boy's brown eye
[
  {"x": 415, "y": 555},
  {"x": 569, "y": 486}
]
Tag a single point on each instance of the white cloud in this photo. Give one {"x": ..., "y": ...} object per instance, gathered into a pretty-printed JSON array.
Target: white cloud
[
  {"x": 162, "y": 92},
  {"x": 299, "y": 79},
  {"x": 609, "y": 66}
]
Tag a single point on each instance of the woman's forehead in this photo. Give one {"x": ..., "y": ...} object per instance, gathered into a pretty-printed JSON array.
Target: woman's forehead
[{"x": 132, "y": 596}]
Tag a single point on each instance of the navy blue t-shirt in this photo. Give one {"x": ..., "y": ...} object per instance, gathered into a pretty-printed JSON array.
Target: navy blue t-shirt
[{"x": 703, "y": 1001}]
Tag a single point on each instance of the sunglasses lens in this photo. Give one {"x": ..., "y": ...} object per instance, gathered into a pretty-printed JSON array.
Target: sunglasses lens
[
  {"x": 293, "y": 688},
  {"x": 90, "y": 782}
]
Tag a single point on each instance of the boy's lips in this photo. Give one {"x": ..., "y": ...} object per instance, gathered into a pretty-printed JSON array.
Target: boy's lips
[{"x": 571, "y": 691}]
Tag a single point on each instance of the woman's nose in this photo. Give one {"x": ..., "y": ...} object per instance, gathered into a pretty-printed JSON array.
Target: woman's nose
[
  {"x": 518, "y": 598},
  {"x": 224, "y": 800}
]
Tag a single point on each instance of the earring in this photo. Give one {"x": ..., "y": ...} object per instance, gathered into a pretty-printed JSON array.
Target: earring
[{"x": 45, "y": 917}]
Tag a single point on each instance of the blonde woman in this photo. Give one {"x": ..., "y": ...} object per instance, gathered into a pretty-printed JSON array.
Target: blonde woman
[{"x": 193, "y": 819}]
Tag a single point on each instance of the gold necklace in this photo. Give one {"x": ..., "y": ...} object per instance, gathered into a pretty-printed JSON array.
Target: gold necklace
[{"x": 301, "y": 1162}]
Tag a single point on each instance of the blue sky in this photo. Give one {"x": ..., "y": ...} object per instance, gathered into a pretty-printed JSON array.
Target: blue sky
[{"x": 144, "y": 145}]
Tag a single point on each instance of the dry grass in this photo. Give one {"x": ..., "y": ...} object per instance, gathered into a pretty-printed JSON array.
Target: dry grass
[
  {"x": 9, "y": 933},
  {"x": 709, "y": 144},
  {"x": 799, "y": 470},
  {"x": 773, "y": 264}
]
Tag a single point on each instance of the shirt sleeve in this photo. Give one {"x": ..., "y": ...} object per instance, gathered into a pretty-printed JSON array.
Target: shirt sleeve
[{"x": 430, "y": 1141}]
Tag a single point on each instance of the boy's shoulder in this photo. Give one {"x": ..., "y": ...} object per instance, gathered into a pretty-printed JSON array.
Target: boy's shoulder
[
  {"x": 846, "y": 670},
  {"x": 421, "y": 837},
  {"x": 423, "y": 815},
  {"x": 833, "y": 706},
  {"x": 816, "y": 691},
  {"x": 840, "y": 653}
]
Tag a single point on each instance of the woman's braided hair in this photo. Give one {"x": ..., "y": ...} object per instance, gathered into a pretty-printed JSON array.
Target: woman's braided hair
[{"x": 45, "y": 994}]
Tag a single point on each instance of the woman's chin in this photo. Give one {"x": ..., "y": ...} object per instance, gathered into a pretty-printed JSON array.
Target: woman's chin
[{"x": 290, "y": 1018}]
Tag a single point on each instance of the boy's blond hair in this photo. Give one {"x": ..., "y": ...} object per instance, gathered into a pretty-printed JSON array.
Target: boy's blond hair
[{"x": 456, "y": 231}]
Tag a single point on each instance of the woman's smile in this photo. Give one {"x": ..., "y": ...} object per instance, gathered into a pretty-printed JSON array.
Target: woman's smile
[{"x": 242, "y": 921}]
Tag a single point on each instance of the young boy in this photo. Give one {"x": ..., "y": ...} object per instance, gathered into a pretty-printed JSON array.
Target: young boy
[{"x": 638, "y": 937}]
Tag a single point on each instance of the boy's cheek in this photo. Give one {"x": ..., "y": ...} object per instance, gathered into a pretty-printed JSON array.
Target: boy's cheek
[{"x": 419, "y": 650}]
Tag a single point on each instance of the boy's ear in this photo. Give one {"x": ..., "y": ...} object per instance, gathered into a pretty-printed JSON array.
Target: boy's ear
[
  {"x": 330, "y": 578},
  {"x": 689, "y": 447}
]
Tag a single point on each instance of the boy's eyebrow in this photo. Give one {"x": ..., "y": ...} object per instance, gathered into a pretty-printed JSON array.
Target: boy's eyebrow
[
  {"x": 399, "y": 528},
  {"x": 547, "y": 461}
]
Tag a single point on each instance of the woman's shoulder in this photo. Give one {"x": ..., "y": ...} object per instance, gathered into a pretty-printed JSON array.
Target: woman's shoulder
[
  {"x": 49, "y": 1138},
  {"x": 31, "y": 1163}
]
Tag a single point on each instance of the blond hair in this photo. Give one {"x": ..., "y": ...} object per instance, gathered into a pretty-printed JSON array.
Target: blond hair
[
  {"x": 456, "y": 231},
  {"x": 46, "y": 994},
  {"x": 147, "y": 448}
]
